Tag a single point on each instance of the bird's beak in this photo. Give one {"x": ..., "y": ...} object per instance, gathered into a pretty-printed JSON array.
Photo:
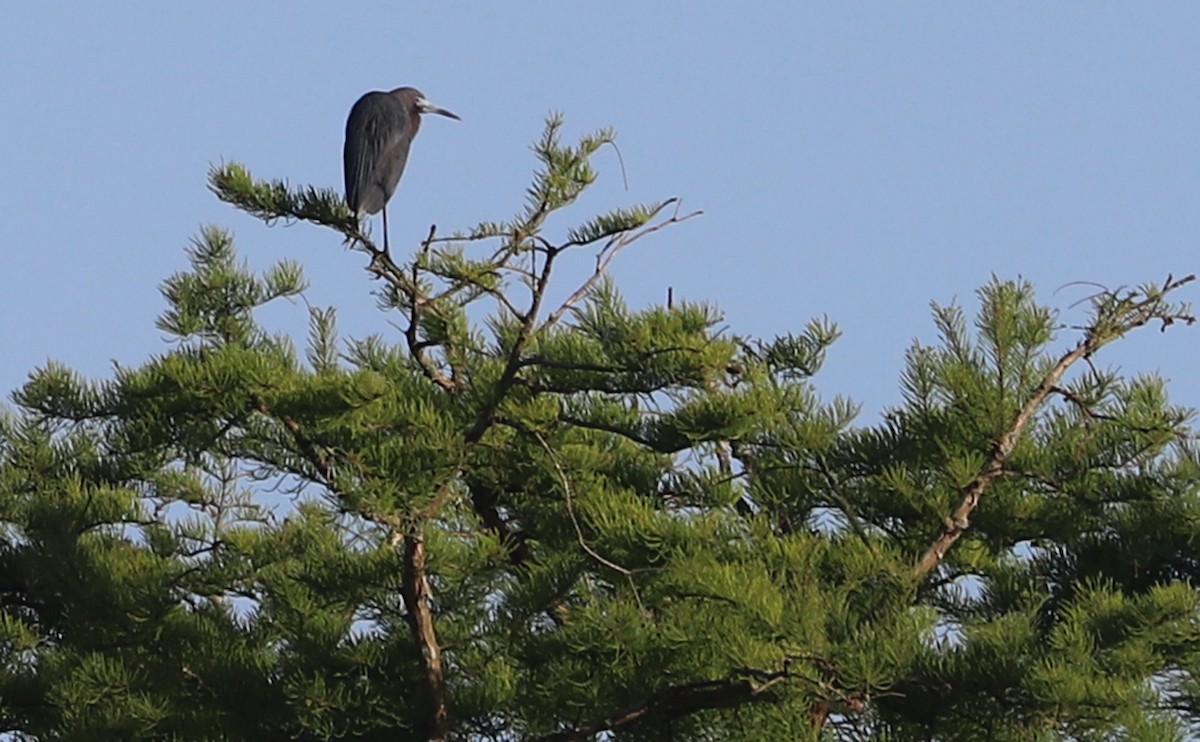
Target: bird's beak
[{"x": 425, "y": 106}]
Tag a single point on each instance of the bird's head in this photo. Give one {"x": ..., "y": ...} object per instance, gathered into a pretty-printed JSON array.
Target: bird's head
[{"x": 415, "y": 100}]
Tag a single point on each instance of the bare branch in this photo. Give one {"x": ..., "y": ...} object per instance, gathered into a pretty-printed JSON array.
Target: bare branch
[{"x": 614, "y": 246}]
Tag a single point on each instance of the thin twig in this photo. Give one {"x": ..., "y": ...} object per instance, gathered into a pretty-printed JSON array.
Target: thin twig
[{"x": 566, "y": 483}]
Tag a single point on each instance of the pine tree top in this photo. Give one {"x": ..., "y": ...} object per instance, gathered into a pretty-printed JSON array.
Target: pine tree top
[{"x": 532, "y": 511}]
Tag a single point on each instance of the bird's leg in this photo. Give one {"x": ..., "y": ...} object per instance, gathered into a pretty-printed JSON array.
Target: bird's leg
[{"x": 386, "y": 250}]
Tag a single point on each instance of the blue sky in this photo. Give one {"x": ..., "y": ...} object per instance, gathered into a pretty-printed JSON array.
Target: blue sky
[{"x": 852, "y": 160}]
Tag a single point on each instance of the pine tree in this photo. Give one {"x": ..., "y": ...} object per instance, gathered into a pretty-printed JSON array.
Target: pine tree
[{"x": 540, "y": 518}]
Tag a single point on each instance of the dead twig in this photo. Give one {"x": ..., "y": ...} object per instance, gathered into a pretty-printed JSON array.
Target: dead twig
[{"x": 611, "y": 249}]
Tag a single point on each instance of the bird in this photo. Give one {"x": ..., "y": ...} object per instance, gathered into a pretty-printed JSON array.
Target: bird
[{"x": 379, "y": 132}]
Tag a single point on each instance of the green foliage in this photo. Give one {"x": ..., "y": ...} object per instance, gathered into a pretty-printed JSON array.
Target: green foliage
[{"x": 516, "y": 519}]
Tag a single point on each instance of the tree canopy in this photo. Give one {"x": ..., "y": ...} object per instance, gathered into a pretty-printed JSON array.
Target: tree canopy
[{"x": 534, "y": 512}]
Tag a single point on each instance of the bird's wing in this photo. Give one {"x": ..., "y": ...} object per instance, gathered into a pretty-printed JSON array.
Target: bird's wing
[{"x": 376, "y": 129}]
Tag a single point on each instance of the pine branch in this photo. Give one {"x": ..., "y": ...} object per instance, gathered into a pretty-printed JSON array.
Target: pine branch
[
  {"x": 484, "y": 500},
  {"x": 308, "y": 449},
  {"x": 627, "y": 434},
  {"x": 1115, "y": 316},
  {"x": 529, "y": 320},
  {"x": 679, "y": 700},
  {"x": 512, "y": 365},
  {"x": 274, "y": 200}
]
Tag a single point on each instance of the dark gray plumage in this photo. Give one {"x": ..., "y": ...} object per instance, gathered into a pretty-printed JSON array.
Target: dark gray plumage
[{"x": 379, "y": 132}]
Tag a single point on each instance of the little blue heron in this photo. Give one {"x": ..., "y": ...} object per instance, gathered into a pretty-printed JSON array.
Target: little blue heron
[{"x": 379, "y": 131}]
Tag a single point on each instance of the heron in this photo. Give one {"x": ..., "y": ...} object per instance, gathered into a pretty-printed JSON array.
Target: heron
[{"x": 379, "y": 132}]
